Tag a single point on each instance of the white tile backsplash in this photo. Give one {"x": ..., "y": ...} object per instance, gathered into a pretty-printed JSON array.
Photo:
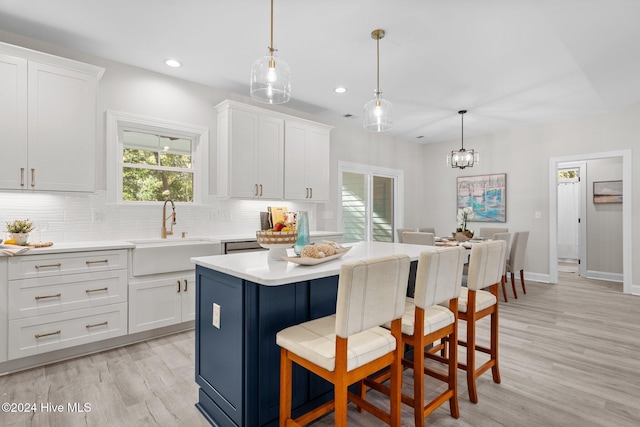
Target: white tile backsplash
[{"x": 83, "y": 217}]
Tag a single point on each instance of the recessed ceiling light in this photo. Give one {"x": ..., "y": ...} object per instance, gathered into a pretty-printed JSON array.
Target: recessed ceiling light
[
  {"x": 340, "y": 89},
  {"x": 173, "y": 63}
]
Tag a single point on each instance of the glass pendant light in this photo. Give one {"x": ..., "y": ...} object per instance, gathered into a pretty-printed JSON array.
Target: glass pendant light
[
  {"x": 271, "y": 76},
  {"x": 377, "y": 112},
  {"x": 462, "y": 158}
]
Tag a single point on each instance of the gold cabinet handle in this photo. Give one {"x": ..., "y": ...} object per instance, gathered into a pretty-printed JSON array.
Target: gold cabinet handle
[
  {"x": 178, "y": 286},
  {"x": 33, "y": 177},
  {"x": 311, "y": 192},
  {"x": 21, "y": 177},
  {"x": 48, "y": 334},
  {"x": 39, "y": 297},
  {"x": 96, "y": 290},
  {"x": 185, "y": 285},
  {"x": 97, "y": 324},
  {"x": 256, "y": 192},
  {"x": 49, "y": 265},
  {"x": 97, "y": 262},
  {"x": 260, "y": 190}
]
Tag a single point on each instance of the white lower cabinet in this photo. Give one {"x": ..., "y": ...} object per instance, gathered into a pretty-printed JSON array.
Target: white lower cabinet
[
  {"x": 159, "y": 301},
  {"x": 4, "y": 316},
  {"x": 62, "y": 300}
]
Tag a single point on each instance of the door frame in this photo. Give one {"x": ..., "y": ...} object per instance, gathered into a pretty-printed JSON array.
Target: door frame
[
  {"x": 398, "y": 192},
  {"x": 627, "y": 248}
]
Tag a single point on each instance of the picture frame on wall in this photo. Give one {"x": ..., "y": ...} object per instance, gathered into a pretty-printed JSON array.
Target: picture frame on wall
[
  {"x": 485, "y": 194},
  {"x": 607, "y": 192}
]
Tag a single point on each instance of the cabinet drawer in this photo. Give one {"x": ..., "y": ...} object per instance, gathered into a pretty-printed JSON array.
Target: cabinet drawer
[
  {"x": 48, "y": 295},
  {"x": 40, "y": 334},
  {"x": 31, "y": 266}
]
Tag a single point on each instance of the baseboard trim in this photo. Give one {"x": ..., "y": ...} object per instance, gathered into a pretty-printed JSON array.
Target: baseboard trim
[
  {"x": 603, "y": 275},
  {"x": 536, "y": 277}
]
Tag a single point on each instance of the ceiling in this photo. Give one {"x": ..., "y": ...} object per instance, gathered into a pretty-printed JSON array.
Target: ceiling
[{"x": 510, "y": 63}]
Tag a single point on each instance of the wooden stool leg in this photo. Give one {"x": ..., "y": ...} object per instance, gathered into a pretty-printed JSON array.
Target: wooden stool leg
[
  {"x": 513, "y": 285},
  {"x": 285, "y": 387},
  {"x": 522, "y": 281},
  {"x": 418, "y": 368},
  {"x": 453, "y": 371},
  {"x": 471, "y": 353}
]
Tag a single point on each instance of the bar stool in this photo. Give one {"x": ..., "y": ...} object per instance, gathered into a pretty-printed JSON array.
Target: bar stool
[
  {"x": 351, "y": 345},
  {"x": 427, "y": 320},
  {"x": 485, "y": 270},
  {"x": 503, "y": 282},
  {"x": 516, "y": 259}
]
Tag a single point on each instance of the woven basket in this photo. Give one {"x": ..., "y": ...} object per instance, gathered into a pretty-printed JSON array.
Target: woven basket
[{"x": 277, "y": 237}]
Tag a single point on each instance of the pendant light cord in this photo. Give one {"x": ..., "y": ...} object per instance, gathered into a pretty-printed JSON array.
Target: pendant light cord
[
  {"x": 271, "y": 49},
  {"x": 378, "y": 66}
]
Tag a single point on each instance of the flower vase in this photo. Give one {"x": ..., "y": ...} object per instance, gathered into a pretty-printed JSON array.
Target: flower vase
[
  {"x": 463, "y": 236},
  {"x": 302, "y": 227},
  {"x": 20, "y": 238}
]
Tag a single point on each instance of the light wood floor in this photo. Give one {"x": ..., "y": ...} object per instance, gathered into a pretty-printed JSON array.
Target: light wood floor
[{"x": 569, "y": 356}]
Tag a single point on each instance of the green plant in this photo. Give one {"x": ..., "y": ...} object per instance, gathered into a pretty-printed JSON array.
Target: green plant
[{"x": 20, "y": 226}]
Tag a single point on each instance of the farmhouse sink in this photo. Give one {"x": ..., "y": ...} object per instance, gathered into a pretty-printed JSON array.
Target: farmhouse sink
[{"x": 156, "y": 256}]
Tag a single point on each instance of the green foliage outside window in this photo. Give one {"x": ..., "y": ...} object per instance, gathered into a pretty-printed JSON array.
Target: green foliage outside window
[{"x": 149, "y": 172}]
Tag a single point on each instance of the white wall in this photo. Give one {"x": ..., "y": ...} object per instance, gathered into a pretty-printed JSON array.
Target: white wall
[{"x": 429, "y": 184}]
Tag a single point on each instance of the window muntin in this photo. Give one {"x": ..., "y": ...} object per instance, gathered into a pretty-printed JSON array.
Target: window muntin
[{"x": 156, "y": 166}]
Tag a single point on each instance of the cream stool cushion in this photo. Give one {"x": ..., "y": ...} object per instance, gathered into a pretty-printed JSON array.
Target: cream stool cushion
[
  {"x": 484, "y": 299},
  {"x": 316, "y": 341},
  {"x": 436, "y": 317}
]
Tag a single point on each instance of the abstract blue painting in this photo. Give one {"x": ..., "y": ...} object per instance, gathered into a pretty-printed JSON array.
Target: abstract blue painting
[{"x": 485, "y": 194}]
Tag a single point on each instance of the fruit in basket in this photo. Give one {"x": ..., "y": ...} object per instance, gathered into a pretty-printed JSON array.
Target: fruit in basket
[{"x": 278, "y": 226}]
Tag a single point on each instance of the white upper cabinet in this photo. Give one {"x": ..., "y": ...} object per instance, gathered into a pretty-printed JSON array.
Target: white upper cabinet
[
  {"x": 49, "y": 114},
  {"x": 250, "y": 152},
  {"x": 306, "y": 161},
  {"x": 264, "y": 154}
]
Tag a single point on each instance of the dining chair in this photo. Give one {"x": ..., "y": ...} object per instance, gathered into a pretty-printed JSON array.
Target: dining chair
[
  {"x": 485, "y": 271},
  {"x": 427, "y": 230},
  {"x": 351, "y": 345},
  {"x": 515, "y": 261},
  {"x": 418, "y": 238},
  {"x": 431, "y": 316},
  {"x": 488, "y": 232},
  {"x": 503, "y": 281},
  {"x": 400, "y": 231}
]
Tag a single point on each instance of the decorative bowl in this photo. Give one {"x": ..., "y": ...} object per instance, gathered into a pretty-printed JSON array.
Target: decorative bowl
[{"x": 277, "y": 242}]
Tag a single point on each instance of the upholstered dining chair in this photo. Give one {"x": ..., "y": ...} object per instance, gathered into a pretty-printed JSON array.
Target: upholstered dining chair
[
  {"x": 418, "y": 238},
  {"x": 401, "y": 231},
  {"x": 485, "y": 271},
  {"x": 427, "y": 230},
  {"x": 430, "y": 316},
  {"x": 488, "y": 232},
  {"x": 515, "y": 261},
  {"x": 503, "y": 281},
  {"x": 351, "y": 345}
]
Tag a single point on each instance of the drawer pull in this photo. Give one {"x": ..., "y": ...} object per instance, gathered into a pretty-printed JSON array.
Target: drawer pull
[
  {"x": 39, "y": 297},
  {"x": 21, "y": 177},
  {"x": 49, "y": 265},
  {"x": 97, "y": 262},
  {"x": 33, "y": 177},
  {"x": 106, "y": 322},
  {"x": 178, "y": 286},
  {"x": 96, "y": 290},
  {"x": 185, "y": 285},
  {"x": 48, "y": 334}
]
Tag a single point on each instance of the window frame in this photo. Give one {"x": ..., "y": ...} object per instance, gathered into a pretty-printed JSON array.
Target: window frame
[{"x": 118, "y": 122}]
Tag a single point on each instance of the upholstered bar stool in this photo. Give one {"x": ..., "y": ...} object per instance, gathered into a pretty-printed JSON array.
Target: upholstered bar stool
[
  {"x": 427, "y": 230},
  {"x": 418, "y": 238},
  {"x": 516, "y": 259},
  {"x": 351, "y": 345},
  {"x": 486, "y": 268},
  {"x": 503, "y": 281},
  {"x": 427, "y": 320}
]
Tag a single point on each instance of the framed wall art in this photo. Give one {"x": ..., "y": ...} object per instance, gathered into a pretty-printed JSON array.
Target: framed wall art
[
  {"x": 485, "y": 194},
  {"x": 607, "y": 191}
]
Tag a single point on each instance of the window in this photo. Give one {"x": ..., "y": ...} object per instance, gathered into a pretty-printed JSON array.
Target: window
[{"x": 153, "y": 160}]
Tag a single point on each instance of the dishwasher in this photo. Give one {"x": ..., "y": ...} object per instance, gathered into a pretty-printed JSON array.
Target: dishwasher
[{"x": 242, "y": 246}]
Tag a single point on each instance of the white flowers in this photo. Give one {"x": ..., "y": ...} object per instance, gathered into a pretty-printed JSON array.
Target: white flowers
[{"x": 464, "y": 215}]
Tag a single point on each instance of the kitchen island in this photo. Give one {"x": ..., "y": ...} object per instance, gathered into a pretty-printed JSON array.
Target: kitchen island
[{"x": 242, "y": 301}]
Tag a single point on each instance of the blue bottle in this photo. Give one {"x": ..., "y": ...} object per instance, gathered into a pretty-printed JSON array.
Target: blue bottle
[{"x": 302, "y": 227}]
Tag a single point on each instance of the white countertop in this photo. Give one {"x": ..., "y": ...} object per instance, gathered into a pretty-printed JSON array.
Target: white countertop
[
  {"x": 255, "y": 267},
  {"x": 78, "y": 246}
]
